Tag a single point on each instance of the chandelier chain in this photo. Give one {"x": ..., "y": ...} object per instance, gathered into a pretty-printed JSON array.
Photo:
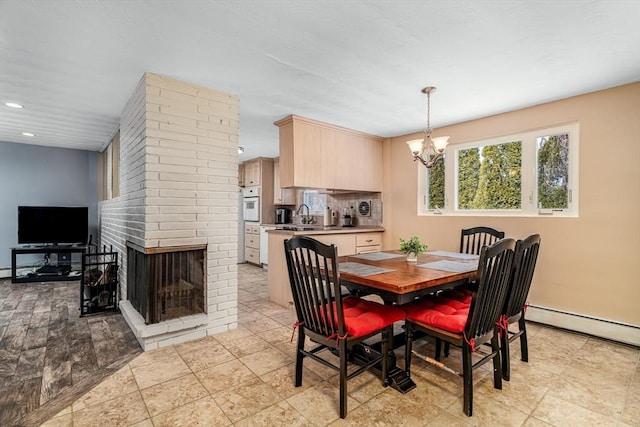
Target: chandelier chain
[{"x": 428, "y": 129}]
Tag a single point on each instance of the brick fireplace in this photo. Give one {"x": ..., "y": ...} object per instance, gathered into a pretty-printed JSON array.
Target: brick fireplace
[{"x": 175, "y": 218}]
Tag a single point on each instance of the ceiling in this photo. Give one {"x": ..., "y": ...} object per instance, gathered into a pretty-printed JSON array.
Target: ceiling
[{"x": 358, "y": 63}]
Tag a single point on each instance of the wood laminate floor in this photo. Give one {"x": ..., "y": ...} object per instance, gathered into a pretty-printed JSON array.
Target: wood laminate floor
[{"x": 48, "y": 354}]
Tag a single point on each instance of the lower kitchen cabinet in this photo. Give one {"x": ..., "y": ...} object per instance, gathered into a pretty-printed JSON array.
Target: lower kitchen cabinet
[
  {"x": 368, "y": 242},
  {"x": 346, "y": 243},
  {"x": 252, "y": 243}
]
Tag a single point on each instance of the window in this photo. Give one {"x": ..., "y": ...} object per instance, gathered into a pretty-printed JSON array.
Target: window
[
  {"x": 109, "y": 170},
  {"x": 317, "y": 202},
  {"x": 534, "y": 173}
]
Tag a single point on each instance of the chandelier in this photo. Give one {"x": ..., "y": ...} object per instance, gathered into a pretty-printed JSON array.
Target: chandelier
[{"x": 418, "y": 147}]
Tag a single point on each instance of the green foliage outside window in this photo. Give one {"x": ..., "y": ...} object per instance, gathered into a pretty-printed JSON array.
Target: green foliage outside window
[
  {"x": 553, "y": 171},
  {"x": 496, "y": 183},
  {"x": 468, "y": 176},
  {"x": 436, "y": 185}
]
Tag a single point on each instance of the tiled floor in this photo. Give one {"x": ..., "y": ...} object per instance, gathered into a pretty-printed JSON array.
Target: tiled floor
[{"x": 244, "y": 378}]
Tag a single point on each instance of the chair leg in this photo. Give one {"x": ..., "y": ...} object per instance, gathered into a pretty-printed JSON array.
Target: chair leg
[
  {"x": 343, "y": 378},
  {"x": 408, "y": 346},
  {"x": 299, "y": 357},
  {"x": 446, "y": 349},
  {"x": 504, "y": 355},
  {"x": 524, "y": 348},
  {"x": 386, "y": 345},
  {"x": 497, "y": 370},
  {"x": 467, "y": 380},
  {"x": 438, "y": 348}
]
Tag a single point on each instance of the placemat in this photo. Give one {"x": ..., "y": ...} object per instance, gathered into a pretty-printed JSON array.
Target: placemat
[
  {"x": 377, "y": 256},
  {"x": 453, "y": 254},
  {"x": 452, "y": 266},
  {"x": 361, "y": 269}
]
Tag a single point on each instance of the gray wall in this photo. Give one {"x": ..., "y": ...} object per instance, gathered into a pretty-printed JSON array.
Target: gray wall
[{"x": 43, "y": 176}]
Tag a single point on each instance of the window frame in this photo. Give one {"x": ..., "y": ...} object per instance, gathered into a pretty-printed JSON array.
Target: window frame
[{"x": 529, "y": 175}]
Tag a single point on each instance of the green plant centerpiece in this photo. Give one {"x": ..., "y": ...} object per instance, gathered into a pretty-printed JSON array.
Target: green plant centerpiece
[{"x": 412, "y": 248}]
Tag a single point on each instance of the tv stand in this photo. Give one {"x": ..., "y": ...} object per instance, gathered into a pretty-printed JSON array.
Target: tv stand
[{"x": 61, "y": 271}]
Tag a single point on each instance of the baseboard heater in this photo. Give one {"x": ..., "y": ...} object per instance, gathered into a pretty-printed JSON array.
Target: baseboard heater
[
  {"x": 6, "y": 272},
  {"x": 604, "y": 328}
]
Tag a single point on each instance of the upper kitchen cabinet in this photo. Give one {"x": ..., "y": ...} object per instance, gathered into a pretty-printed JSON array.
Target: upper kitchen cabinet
[
  {"x": 241, "y": 174},
  {"x": 281, "y": 196},
  {"x": 320, "y": 155},
  {"x": 253, "y": 172}
]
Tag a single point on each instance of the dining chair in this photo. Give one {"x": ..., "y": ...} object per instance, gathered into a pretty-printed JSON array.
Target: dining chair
[
  {"x": 471, "y": 242},
  {"x": 333, "y": 322},
  {"x": 473, "y": 239},
  {"x": 515, "y": 304},
  {"x": 467, "y": 326}
]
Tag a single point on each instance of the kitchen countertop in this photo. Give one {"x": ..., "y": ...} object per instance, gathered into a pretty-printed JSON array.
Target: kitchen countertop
[{"x": 305, "y": 230}]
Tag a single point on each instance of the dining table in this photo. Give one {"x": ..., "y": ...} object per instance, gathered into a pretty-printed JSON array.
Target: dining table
[{"x": 397, "y": 281}]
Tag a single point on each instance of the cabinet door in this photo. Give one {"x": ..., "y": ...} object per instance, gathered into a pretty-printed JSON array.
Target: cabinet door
[
  {"x": 346, "y": 243},
  {"x": 277, "y": 192},
  {"x": 281, "y": 196},
  {"x": 320, "y": 155},
  {"x": 241, "y": 174},
  {"x": 252, "y": 255},
  {"x": 252, "y": 173}
]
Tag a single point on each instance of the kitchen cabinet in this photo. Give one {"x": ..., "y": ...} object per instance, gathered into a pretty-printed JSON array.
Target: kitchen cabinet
[
  {"x": 253, "y": 172},
  {"x": 368, "y": 242},
  {"x": 320, "y": 155},
  {"x": 347, "y": 243},
  {"x": 258, "y": 172},
  {"x": 281, "y": 196},
  {"x": 241, "y": 174},
  {"x": 252, "y": 242}
]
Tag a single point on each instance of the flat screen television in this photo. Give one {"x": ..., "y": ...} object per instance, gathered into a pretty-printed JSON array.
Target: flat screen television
[{"x": 52, "y": 224}]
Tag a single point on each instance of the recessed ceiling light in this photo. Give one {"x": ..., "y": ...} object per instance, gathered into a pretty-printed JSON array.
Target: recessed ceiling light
[
  {"x": 28, "y": 134},
  {"x": 13, "y": 105}
]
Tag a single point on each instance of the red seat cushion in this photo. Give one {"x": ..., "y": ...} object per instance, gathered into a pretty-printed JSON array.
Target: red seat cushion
[
  {"x": 462, "y": 295},
  {"x": 441, "y": 312},
  {"x": 362, "y": 317}
]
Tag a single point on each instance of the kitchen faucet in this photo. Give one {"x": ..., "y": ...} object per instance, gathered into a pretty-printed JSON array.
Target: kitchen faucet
[{"x": 307, "y": 219}]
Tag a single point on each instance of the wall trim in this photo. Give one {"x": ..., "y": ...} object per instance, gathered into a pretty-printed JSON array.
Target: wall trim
[{"x": 609, "y": 329}]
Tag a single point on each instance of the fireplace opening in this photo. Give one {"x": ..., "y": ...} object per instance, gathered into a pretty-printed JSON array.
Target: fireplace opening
[{"x": 166, "y": 283}]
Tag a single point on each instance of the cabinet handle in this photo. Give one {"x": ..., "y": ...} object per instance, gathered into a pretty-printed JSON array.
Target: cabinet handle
[{"x": 369, "y": 240}]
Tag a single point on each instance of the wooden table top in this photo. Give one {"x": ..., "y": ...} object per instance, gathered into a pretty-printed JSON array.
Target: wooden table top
[{"x": 405, "y": 280}]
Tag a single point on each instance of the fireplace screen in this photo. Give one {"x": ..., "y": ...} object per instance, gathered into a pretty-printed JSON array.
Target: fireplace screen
[{"x": 166, "y": 283}]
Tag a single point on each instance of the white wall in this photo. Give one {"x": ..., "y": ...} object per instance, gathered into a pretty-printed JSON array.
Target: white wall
[{"x": 179, "y": 175}]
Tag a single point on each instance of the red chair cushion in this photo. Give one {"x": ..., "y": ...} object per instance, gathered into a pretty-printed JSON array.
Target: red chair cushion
[
  {"x": 441, "y": 312},
  {"x": 362, "y": 317},
  {"x": 462, "y": 295}
]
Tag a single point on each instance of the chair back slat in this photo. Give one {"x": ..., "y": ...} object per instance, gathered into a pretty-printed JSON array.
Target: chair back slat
[
  {"x": 523, "y": 268},
  {"x": 473, "y": 239},
  {"x": 313, "y": 276},
  {"x": 494, "y": 271}
]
